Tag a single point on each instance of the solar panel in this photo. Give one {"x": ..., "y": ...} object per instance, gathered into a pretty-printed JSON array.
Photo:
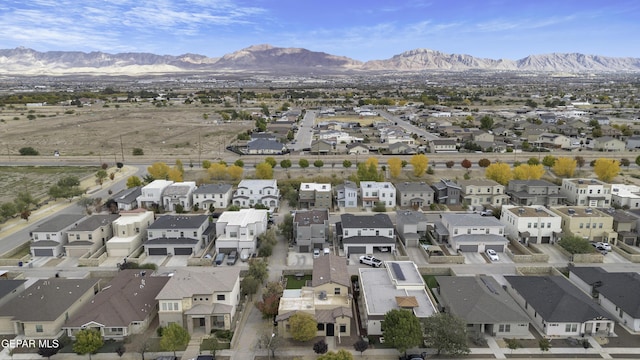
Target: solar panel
[{"x": 398, "y": 271}]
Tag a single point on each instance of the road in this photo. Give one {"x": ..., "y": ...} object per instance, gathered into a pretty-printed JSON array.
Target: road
[
  {"x": 304, "y": 135},
  {"x": 408, "y": 126}
]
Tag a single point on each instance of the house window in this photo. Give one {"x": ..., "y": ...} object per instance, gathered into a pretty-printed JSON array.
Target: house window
[
  {"x": 468, "y": 231},
  {"x": 504, "y": 328},
  {"x": 39, "y": 328},
  {"x": 320, "y": 326},
  {"x": 343, "y": 328},
  {"x": 336, "y": 291},
  {"x": 220, "y": 297},
  {"x": 529, "y": 225},
  {"x": 455, "y": 231},
  {"x": 390, "y": 232},
  {"x": 346, "y": 233},
  {"x": 571, "y": 328}
]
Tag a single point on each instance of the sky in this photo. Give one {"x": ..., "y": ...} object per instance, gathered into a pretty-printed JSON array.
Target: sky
[{"x": 361, "y": 30}]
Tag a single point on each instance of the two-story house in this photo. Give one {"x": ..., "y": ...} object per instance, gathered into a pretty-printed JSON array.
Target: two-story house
[
  {"x": 398, "y": 285},
  {"x": 534, "y": 192},
  {"x": 347, "y": 195},
  {"x": 251, "y": 192},
  {"x": 50, "y": 237},
  {"x": 361, "y": 234},
  {"x": 471, "y": 232},
  {"x": 586, "y": 192},
  {"x": 443, "y": 145},
  {"x": 625, "y": 196},
  {"x": 310, "y": 229},
  {"x": 481, "y": 193},
  {"x": 327, "y": 299},
  {"x": 625, "y": 224},
  {"x": 179, "y": 235},
  {"x": 127, "y": 199},
  {"x": 531, "y": 224},
  {"x": 201, "y": 299},
  {"x": 608, "y": 143},
  {"x": 315, "y": 196},
  {"x": 216, "y": 195},
  {"x": 411, "y": 225},
  {"x": 90, "y": 234},
  {"x": 151, "y": 194},
  {"x": 447, "y": 192},
  {"x": 178, "y": 195},
  {"x": 129, "y": 232},
  {"x": 414, "y": 195},
  {"x": 373, "y": 192},
  {"x": 239, "y": 230},
  {"x": 589, "y": 223}
]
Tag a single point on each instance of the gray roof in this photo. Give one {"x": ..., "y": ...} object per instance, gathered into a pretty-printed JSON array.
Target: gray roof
[
  {"x": 471, "y": 220},
  {"x": 8, "y": 286},
  {"x": 58, "y": 223},
  {"x": 265, "y": 144},
  {"x": 414, "y": 186},
  {"x": 199, "y": 280},
  {"x": 47, "y": 299},
  {"x": 410, "y": 217},
  {"x": 479, "y": 300},
  {"x": 308, "y": 217},
  {"x": 129, "y": 297},
  {"x": 444, "y": 183},
  {"x": 178, "y": 222},
  {"x": 213, "y": 189},
  {"x": 616, "y": 287},
  {"x": 534, "y": 182},
  {"x": 330, "y": 269},
  {"x": 95, "y": 221},
  {"x": 128, "y": 196},
  {"x": 176, "y": 189},
  {"x": 556, "y": 299},
  {"x": 350, "y": 221}
]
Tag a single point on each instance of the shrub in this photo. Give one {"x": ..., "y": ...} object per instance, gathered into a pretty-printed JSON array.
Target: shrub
[
  {"x": 28, "y": 151},
  {"x": 137, "y": 152}
]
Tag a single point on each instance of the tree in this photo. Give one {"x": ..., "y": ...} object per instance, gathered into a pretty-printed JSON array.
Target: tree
[
  {"x": 175, "y": 174},
  {"x": 576, "y": 245},
  {"x": 368, "y": 170},
  {"x": 565, "y": 166},
  {"x": 379, "y": 207},
  {"x": 101, "y": 175},
  {"x": 402, "y": 329},
  {"x": 302, "y": 326},
  {"x": 580, "y": 161},
  {"x": 88, "y": 341},
  {"x": 217, "y": 171},
  {"x": 512, "y": 344},
  {"x": 499, "y": 172},
  {"x": 544, "y": 344},
  {"x": 342, "y": 354},
  {"x": 286, "y": 227},
  {"x": 548, "y": 161},
  {"x": 239, "y": 163},
  {"x": 483, "y": 163},
  {"x": 625, "y": 162},
  {"x": 235, "y": 172},
  {"x": 528, "y": 172},
  {"x": 206, "y": 164},
  {"x": 258, "y": 269},
  {"x": 271, "y": 161},
  {"x": 395, "y": 167},
  {"x": 270, "y": 299},
  {"x": 303, "y": 163},
  {"x": 606, "y": 169},
  {"x": 7, "y": 210},
  {"x": 271, "y": 342},
  {"x": 264, "y": 171},
  {"x": 318, "y": 164},
  {"x": 174, "y": 337},
  {"x": 320, "y": 347},
  {"x": 533, "y": 161},
  {"x": 137, "y": 152},
  {"x": 48, "y": 351},
  {"x": 28, "y": 151},
  {"x": 285, "y": 164},
  {"x": 347, "y": 164},
  {"x": 486, "y": 123},
  {"x": 249, "y": 285},
  {"x": 446, "y": 333},
  {"x": 450, "y": 164},
  {"x": 159, "y": 171},
  {"x": 420, "y": 162},
  {"x": 66, "y": 187},
  {"x": 179, "y": 166},
  {"x": 361, "y": 346},
  {"x": 466, "y": 164},
  {"x": 133, "y": 181}
]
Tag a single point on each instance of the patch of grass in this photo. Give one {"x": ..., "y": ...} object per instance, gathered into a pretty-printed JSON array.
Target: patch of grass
[
  {"x": 430, "y": 280},
  {"x": 294, "y": 282},
  {"x": 36, "y": 179},
  {"x": 207, "y": 344}
]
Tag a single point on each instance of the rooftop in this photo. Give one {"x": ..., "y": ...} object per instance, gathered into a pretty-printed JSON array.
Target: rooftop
[
  {"x": 470, "y": 220},
  {"x": 58, "y": 223},
  {"x": 179, "y": 222},
  {"x": 199, "y": 280},
  {"x": 178, "y": 189},
  {"x": 350, "y": 221},
  {"x": 243, "y": 217},
  {"x": 95, "y": 221},
  {"x": 529, "y": 211},
  {"x": 579, "y": 211},
  {"x": 414, "y": 186},
  {"x": 313, "y": 217},
  {"x": 213, "y": 189},
  {"x": 315, "y": 187}
]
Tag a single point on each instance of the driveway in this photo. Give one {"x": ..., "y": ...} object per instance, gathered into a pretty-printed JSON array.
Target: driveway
[
  {"x": 555, "y": 256},
  {"x": 614, "y": 258},
  {"x": 474, "y": 258}
]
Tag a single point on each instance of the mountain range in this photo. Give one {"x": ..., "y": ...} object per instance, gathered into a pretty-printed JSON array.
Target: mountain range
[{"x": 278, "y": 60}]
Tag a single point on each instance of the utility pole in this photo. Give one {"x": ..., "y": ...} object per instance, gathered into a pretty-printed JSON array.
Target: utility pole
[{"x": 121, "y": 148}]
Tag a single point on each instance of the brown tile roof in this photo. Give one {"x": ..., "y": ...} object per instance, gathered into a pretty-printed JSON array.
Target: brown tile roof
[{"x": 330, "y": 269}]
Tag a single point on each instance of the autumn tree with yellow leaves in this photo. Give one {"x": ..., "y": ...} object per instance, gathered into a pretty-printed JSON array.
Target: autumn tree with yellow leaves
[
  {"x": 606, "y": 169},
  {"x": 499, "y": 172},
  {"x": 565, "y": 166},
  {"x": 420, "y": 162},
  {"x": 528, "y": 172},
  {"x": 395, "y": 167}
]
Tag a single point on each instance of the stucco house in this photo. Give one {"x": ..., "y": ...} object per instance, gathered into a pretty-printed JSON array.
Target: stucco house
[
  {"x": 608, "y": 143},
  {"x": 179, "y": 235},
  {"x": 50, "y": 237},
  {"x": 218, "y": 195},
  {"x": 239, "y": 230},
  {"x": 534, "y": 192},
  {"x": 90, "y": 234},
  {"x": 253, "y": 191},
  {"x": 414, "y": 194},
  {"x": 310, "y": 229},
  {"x": 347, "y": 195},
  {"x": 328, "y": 299},
  {"x": 480, "y": 193},
  {"x": 586, "y": 192},
  {"x": 178, "y": 194},
  {"x": 361, "y": 234},
  {"x": 151, "y": 194},
  {"x": 588, "y": 223},
  {"x": 126, "y": 199},
  {"x": 471, "y": 232},
  {"x": 315, "y": 196},
  {"x": 129, "y": 232},
  {"x": 531, "y": 224},
  {"x": 373, "y": 192}
]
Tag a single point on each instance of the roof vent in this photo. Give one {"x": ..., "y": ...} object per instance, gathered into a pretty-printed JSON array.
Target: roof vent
[
  {"x": 588, "y": 210},
  {"x": 322, "y": 295},
  {"x": 571, "y": 211},
  {"x": 521, "y": 210}
]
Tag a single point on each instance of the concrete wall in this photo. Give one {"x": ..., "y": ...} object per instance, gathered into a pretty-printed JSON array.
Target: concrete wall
[
  {"x": 527, "y": 255},
  {"x": 94, "y": 260},
  {"x": 627, "y": 252}
]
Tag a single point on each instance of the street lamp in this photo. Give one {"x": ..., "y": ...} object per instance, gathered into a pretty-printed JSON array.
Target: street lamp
[{"x": 269, "y": 349}]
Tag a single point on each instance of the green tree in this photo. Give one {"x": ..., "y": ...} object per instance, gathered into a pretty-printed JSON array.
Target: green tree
[
  {"x": 133, "y": 181},
  {"x": 576, "y": 245},
  {"x": 239, "y": 163},
  {"x": 379, "y": 207},
  {"x": 249, "y": 285},
  {"x": 533, "y": 161},
  {"x": 137, "y": 152},
  {"x": 318, "y": 164},
  {"x": 368, "y": 170},
  {"x": 28, "y": 151},
  {"x": 271, "y": 295},
  {"x": 446, "y": 333},
  {"x": 625, "y": 162},
  {"x": 66, "y": 187},
  {"x": 361, "y": 346},
  {"x": 342, "y": 354},
  {"x": 271, "y": 161},
  {"x": 303, "y": 163},
  {"x": 206, "y": 164},
  {"x": 23, "y": 201},
  {"x": 286, "y": 227},
  {"x": 285, "y": 164},
  {"x": 486, "y": 123},
  {"x": 174, "y": 338},
  {"x": 88, "y": 341},
  {"x": 402, "y": 330},
  {"x": 320, "y": 347},
  {"x": 101, "y": 175},
  {"x": 549, "y": 161},
  {"x": 347, "y": 164},
  {"x": 258, "y": 269},
  {"x": 302, "y": 326},
  {"x": 544, "y": 344},
  {"x": 264, "y": 171},
  {"x": 7, "y": 210}
]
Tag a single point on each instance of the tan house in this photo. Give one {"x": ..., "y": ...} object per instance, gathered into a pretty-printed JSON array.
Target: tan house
[
  {"x": 90, "y": 235},
  {"x": 41, "y": 310},
  {"x": 589, "y": 223},
  {"x": 327, "y": 299},
  {"x": 608, "y": 143},
  {"x": 201, "y": 299},
  {"x": 129, "y": 232},
  {"x": 480, "y": 193}
]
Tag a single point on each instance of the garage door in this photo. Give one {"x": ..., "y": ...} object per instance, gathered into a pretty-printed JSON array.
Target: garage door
[
  {"x": 546, "y": 239},
  {"x": 469, "y": 248},
  {"x": 43, "y": 252},
  {"x": 357, "y": 250},
  {"x": 304, "y": 248},
  {"x": 157, "y": 251},
  {"x": 497, "y": 248},
  {"x": 183, "y": 251},
  {"x": 227, "y": 250}
]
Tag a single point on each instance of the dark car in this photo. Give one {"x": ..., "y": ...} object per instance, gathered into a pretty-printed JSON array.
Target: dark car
[{"x": 414, "y": 356}]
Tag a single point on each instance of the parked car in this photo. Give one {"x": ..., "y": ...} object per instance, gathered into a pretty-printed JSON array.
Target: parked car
[
  {"x": 601, "y": 249},
  {"x": 316, "y": 253},
  {"x": 486, "y": 213},
  {"x": 219, "y": 258},
  {"x": 605, "y": 245},
  {"x": 370, "y": 260},
  {"x": 233, "y": 257},
  {"x": 492, "y": 254},
  {"x": 326, "y": 251},
  {"x": 414, "y": 356}
]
